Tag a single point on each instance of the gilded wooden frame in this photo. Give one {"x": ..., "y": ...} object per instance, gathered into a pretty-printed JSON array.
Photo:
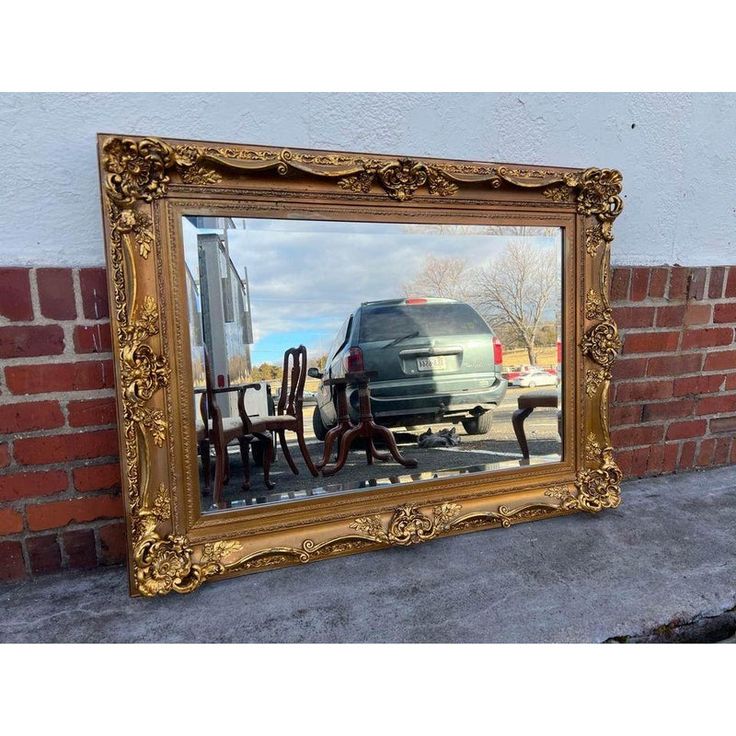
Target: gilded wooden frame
[{"x": 148, "y": 182}]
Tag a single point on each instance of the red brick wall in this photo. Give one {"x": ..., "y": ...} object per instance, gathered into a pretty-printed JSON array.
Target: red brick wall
[
  {"x": 673, "y": 401},
  {"x": 674, "y": 394},
  {"x": 60, "y": 503}
]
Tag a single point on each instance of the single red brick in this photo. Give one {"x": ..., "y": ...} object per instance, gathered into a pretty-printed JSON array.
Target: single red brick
[
  {"x": 78, "y": 510},
  {"x": 723, "y": 445},
  {"x": 670, "y": 316},
  {"x": 696, "y": 283},
  {"x": 707, "y": 338},
  {"x": 623, "y": 460},
  {"x": 658, "y": 282},
  {"x": 703, "y": 384},
  {"x": 633, "y": 463},
  {"x": 639, "y": 284},
  {"x": 31, "y": 340},
  {"x": 725, "y": 312},
  {"x": 96, "y": 477},
  {"x": 706, "y": 452},
  {"x": 15, "y": 294},
  {"x": 678, "y": 283},
  {"x": 30, "y": 415},
  {"x": 620, "y": 284},
  {"x": 730, "y": 382},
  {"x": 44, "y": 553},
  {"x": 723, "y": 424},
  {"x": 91, "y": 412},
  {"x": 11, "y": 522},
  {"x": 636, "y": 436},
  {"x": 64, "y": 447},
  {"x": 719, "y": 404},
  {"x": 731, "y": 283},
  {"x": 93, "y": 339},
  {"x": 113, "y": 545},
  {"x": 687, "y": 456},
  {"x": 667, "y": 410},
  {"x": 12, "y": 566},
  {"x": 669, "y": 460},
  {"x": 650, "y": 342},
  {"x": 686, "y": 429},
  {"x": 622, "y": 415},
  {"x": 715, "y": 285},
  {"x": 674, "y": 365},
  {"x": 654, "y": 460},
  {"x": 79, "y": 546},
  {"x": 29, "y": 485},
  {"x": 721, "y": 360},
  {"x": 51, "y": 378},
  {"x": 698, "y": 314},
  {"x": 643, "y": 391},
  {"x": 93, "y": 284},
  {"x": 4, "y": 456},
  {"x": 629, "y": 368},
  {"x": 56, "y": 293},
  {"x": 634, "y": 316}
]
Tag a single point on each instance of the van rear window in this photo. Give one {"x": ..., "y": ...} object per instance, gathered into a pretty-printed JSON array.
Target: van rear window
[{"x": 423, "y": 320}]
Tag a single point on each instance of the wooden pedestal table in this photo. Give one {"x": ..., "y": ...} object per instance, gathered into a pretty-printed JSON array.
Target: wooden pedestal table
[
  {"x": 527, "y": 404},
  {"x": 345, "y": 431}
]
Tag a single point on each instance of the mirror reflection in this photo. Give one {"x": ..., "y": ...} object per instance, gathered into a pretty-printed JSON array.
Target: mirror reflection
[{"x": 331, "y": 357}]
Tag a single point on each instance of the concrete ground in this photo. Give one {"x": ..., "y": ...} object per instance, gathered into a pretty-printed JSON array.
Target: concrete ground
[{"x": 665, "y": 559}]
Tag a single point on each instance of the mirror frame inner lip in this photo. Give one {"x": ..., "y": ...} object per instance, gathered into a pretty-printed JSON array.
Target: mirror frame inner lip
[{"x": 147, "y": 183}]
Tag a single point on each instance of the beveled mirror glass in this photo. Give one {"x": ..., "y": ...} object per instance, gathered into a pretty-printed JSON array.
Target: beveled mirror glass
[
  {"x": 321, "y": 353},
  {"x": 442, "y": 328}
]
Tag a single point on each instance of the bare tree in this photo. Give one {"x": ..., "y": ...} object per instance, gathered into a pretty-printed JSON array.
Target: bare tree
[
  {"x": 448, "y": 278},
  {"x": 516, "y": 289}
]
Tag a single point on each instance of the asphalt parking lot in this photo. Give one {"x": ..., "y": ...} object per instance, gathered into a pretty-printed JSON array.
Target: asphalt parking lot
[{"x": 498, "y": 448}]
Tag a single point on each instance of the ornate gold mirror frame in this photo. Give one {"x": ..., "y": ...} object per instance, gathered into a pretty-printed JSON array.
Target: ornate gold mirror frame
[{"x": 146, "y": 185}]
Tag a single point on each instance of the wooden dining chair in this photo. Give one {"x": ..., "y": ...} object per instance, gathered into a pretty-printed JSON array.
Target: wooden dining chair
[
  {"x": 289, "y": 412},
  {"x": 217, "y": 431}
]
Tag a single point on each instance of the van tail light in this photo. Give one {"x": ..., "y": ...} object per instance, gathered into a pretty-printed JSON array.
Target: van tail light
[
  {"x": 353, "y": 361},
  {"x": 497, "y": 351},
  {"x": 559, "y": 350}
]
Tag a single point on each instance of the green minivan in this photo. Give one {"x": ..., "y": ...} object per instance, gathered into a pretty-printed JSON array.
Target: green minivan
[{"x": 436, "y": 360}]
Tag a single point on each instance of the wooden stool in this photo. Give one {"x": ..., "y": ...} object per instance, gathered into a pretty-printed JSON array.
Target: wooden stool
[
  {"x": 366, "y": 428},
  {"x": 527, "y": 404}
]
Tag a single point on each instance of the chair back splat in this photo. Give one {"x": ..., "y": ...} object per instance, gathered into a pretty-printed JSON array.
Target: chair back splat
[{"x": 292, "y": 381}]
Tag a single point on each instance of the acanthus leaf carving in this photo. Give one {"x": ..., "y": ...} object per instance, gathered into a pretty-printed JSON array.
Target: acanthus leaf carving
[
  {"x": 598, "y": 192},
  {"x": 594, "y": 489},
  {"x": 136, "y": 169},
  {"x": 408, "y": 525}
]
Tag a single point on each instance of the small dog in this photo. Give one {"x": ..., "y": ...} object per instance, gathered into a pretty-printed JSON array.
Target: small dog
[{"x": 443, "y": 438}]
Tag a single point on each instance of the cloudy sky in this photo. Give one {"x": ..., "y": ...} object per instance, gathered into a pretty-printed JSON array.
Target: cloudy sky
[{"x": 307, "y": 276}]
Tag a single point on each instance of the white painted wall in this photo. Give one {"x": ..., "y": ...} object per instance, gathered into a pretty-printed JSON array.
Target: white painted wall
[{"x": 678, "y": 162}]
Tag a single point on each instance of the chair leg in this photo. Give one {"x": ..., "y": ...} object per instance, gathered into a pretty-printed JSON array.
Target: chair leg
[
  {"x": 217, "y": 493},
  {"x": 305, "y": 451},
  {"x": 330, "y": 438},
  {"x": 287, "y": 454},
  {"x": 204, "y": 453},
  {"x": 517, "y": 421},
  {"x": 244, "y": 443},
  {"x": 267, "y": 458}
]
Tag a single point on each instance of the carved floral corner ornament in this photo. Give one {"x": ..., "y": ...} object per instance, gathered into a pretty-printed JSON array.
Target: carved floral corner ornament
[{"x": 139, "y": 171}]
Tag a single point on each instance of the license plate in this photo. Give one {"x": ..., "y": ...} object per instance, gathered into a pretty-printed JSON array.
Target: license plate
[{"x": 436, "y": 363}]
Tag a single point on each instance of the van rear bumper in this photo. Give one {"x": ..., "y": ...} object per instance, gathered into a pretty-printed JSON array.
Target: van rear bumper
[{"x": 391, "y": 408}]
